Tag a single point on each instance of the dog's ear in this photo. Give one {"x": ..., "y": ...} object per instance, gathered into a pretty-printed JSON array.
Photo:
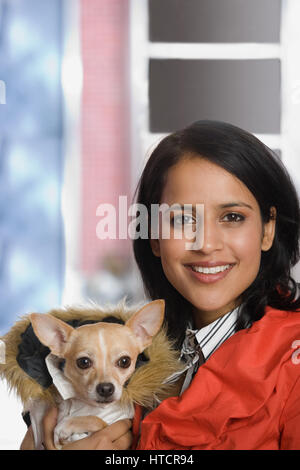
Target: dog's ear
[
  {"x": 51, "y": 331},
  {"x": 147, "y": 321}
]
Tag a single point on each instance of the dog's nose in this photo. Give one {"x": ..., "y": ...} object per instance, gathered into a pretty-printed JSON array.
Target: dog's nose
[{"x": 105, "y": 389}]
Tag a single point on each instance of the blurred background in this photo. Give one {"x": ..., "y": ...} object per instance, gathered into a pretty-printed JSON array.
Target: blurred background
[{"x": 87, "y": 89}]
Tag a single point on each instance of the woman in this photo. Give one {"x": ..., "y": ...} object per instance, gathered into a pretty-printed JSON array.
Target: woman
[{"x": 231, "y": 295}]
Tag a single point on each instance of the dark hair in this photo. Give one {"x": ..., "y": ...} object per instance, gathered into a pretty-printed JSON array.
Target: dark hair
[{"x": 243, "y": 155}]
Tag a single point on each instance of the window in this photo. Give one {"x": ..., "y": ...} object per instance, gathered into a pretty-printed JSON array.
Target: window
[{"x": 231, "y": 60}]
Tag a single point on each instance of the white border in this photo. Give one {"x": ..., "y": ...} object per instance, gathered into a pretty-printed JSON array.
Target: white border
[
  {"x": 139, "y": 102},
  {"x": 220, "y": 51},
  {"x": 72, "y": 77},
  {"x": 290, "y": 115}
]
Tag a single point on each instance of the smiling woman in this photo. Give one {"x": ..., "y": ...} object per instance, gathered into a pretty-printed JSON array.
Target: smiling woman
[
  {"x": 232, "y": 244},
  {"x": 231, "y": 303},
  {"x": 251, "y": 222}
]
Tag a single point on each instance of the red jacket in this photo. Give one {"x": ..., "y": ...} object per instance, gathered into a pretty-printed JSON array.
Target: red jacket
[{"x": 246, "y": 396}]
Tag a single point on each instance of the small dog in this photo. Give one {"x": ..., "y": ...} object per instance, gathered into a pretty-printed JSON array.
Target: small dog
[{"x": 98, "y": 360}]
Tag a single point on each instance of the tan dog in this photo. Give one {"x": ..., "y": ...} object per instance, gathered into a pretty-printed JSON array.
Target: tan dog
[{"x": 98, "y": 360}]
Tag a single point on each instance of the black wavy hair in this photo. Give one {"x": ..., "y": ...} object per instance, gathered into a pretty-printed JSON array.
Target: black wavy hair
[{"x": 244, "y": 156}]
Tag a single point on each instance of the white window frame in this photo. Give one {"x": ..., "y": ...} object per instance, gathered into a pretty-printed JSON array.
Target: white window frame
[
  {"x": 71, "y": 81},
  {"x": 142, "y": 50},
  {"x": 287, "y": 51}
]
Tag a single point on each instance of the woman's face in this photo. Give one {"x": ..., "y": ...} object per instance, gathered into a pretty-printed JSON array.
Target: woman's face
[{"x": 233, "y": 235}]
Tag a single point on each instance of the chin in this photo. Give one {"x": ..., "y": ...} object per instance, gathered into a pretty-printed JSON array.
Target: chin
[
  {"x": 216, "y": 307},
  {"x": 102, "y": 404}
]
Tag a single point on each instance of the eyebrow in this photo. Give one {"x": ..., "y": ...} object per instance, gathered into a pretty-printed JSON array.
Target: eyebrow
[
  {"x": 224, "y": 206},
  {"x": 235, "y": 204}
]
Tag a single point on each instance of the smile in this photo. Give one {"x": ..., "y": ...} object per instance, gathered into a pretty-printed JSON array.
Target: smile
[
  {"x": 207, "y": 275},
  {"x": 214, "y": 270}
]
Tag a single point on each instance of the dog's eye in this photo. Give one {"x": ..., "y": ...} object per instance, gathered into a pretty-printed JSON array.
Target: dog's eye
[
  {"x": 84, "y": 362},
  {"x": 124, "y": 362}
]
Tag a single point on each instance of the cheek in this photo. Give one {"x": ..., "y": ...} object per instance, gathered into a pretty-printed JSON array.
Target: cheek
[
  {"x": 246, "y": 245},
  {"x": 121, "y": 375},
  {"x": 171, "y": 254},
  {"x": 79, "y": 379},
  {"x": 171, "y": 250}
]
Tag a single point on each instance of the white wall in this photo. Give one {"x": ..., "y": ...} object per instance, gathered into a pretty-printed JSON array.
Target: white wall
[{"x": 12, "y": 426}]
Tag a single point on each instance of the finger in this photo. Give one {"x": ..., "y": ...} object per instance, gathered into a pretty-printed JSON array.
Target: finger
[
  {"x": 124, "y": 442},
  {"x": 115, "y": 430},
  {"x": 86, "y": 443},
  {"x": 49, "y": 423},
  {"x": 101, "y": 440},
  {"x": 28, "y": 441}
]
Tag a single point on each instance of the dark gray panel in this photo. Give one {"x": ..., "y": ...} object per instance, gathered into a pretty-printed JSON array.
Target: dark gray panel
[
  {"x": 214, "y": 20},
  {"x": 243, "y": 92}
]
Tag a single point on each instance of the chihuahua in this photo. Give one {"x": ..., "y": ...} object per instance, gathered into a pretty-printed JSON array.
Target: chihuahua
[{"x": 98, "y": 361}]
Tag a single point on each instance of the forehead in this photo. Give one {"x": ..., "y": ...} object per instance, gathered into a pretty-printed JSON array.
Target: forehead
[
  {"x": 103, "y": 335},
  {"x": 197, "y": 180}
]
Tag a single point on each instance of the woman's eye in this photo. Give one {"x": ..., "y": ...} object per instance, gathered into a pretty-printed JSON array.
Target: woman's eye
[
  {"x": 124, "y": 362},
  {"x": 84, "y": 362},
  {"x": 232, "y": 217},
  {"x": 180, "y": 220}
]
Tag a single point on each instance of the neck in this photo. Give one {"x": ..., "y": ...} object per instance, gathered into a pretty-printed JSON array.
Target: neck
[{"x": 203, "y": 318}]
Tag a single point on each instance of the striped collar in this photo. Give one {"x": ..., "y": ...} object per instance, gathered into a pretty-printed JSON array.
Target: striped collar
[
  {"x": 210, "y": 337},
  {"x": 205, "y": 341}
]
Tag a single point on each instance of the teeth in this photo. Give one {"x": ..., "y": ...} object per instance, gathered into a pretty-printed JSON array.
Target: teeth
[{"x": 214, "y": 270}]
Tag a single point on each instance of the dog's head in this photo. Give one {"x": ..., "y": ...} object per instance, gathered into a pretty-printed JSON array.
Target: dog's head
[{"x": 99, "y": 358}]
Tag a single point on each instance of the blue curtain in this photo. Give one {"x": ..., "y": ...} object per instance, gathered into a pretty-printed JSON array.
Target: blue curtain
[{"x": 31, "y": 163}]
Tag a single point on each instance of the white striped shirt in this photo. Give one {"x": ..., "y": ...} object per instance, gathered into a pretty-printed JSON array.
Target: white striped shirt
[{"x": 209, "y": 338}]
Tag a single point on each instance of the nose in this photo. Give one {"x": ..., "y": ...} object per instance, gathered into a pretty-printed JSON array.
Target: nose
[
  {"x": 105, "y": 389},
  {"x": 212, "y": 237}
]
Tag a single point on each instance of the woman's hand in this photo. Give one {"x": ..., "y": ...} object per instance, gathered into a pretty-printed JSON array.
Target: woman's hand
[
  {"x": 28, "y": 441},
  {"x": 117, "y": 436}
]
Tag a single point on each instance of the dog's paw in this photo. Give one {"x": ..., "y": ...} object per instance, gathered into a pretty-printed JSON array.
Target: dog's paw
[
  {"x": 62, "y": 434},
  {"x": 73, "y": 428},
  {"x": 66, "y": 432}
]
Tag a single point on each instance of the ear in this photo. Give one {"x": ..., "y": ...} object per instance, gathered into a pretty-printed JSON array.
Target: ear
[
  {"x": 269, "y": 231},
  {"x": 155, "y": 247},
  {"x": 51, "y": 331},
  {"x": 147, "y": 321}
]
